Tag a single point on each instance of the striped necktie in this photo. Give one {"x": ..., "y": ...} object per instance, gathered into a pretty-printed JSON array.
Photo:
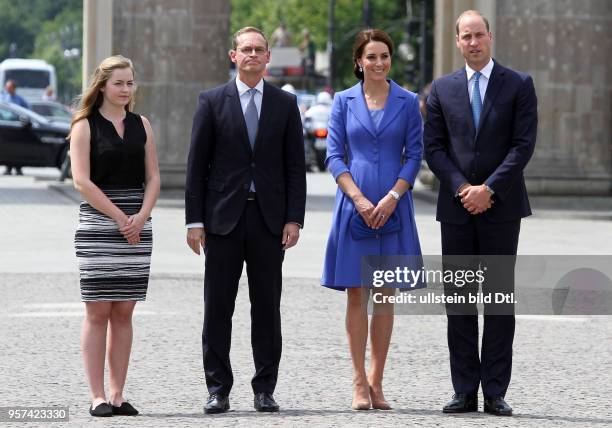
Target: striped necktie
[{"x": 476, "y": 100}]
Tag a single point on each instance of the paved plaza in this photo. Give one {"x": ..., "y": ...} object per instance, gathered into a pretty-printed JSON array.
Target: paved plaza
[{"x": 562, "y": 371}]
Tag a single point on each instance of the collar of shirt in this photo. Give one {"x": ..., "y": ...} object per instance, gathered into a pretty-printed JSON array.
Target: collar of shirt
[
  {"x": 486, "y": 70},
  {"x": 244, "y": 97},
  {"x": 243, "y": 87}
]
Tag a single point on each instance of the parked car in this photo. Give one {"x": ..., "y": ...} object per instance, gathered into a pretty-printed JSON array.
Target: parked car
[
  {"x": 53, "y": 111},
  {"x": 29, "y": 139}
]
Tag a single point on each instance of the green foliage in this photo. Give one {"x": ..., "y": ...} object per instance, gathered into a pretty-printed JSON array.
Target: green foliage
[
  {"x": 45, "y": 29},
  {"x": 388, "y": 15}
]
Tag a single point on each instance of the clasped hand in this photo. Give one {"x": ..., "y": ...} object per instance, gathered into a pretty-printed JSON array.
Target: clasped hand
[
  {"x": 375, "y": 216},
  {"x": 130, "y": 227},
  {"x": 476, "y": 199}
]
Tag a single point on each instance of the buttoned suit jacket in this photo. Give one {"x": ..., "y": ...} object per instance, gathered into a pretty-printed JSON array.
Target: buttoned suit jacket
[
  {"x": 222, "y": 164},
  {"x": 495, "y": 154}
]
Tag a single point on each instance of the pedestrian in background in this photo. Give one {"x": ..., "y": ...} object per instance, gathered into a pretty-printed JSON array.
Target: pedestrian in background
[
  {"x": 281, "y": 37},
  {"x": 308, "y": 50},
  {"x": 377, "y": 125},
  {"x": 9, "y": 95},
  {"x": 114, "y": 167},
  {"x": 49, "y": 95}
]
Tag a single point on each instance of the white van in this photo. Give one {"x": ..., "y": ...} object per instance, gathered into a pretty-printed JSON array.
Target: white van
[{"x": 31, "y": 75}]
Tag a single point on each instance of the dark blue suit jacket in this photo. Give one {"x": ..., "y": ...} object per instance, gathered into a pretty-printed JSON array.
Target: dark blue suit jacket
[
  {"x": 222, "y": 164},
  {"x": 495, "y": 154}
]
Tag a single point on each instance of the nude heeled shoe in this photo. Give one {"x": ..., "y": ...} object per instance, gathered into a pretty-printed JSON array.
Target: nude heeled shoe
[
  {"x": 360, "y": 404},
  {"x": 380, "y": 404}
]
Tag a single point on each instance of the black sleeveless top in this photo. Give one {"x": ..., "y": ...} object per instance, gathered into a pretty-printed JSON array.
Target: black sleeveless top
[{"x": 116, "y": 162}]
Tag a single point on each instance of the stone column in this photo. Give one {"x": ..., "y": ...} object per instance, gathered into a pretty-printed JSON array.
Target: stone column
[
  {"x": 97, "y": 31},
  {"x": 565, "y": 46},
  {"x": 179, "y": 48}
]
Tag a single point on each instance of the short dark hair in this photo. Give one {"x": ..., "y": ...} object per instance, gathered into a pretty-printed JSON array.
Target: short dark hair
[
  {"x": 362, "y": 39},
  {"x": 247, "y": 30},
  {"x": 471, "y": 12}
]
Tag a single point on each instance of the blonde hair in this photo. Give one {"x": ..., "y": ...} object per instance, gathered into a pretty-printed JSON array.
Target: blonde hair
[
  {"x": 247, "y": 30},
  {"x": 92, "y": 97}
]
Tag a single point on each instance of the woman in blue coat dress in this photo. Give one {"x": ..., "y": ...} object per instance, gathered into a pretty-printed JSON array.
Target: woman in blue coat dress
[{"x": 376, "y": 126}]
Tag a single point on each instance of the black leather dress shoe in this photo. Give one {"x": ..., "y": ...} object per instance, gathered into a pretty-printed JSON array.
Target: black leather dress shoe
[
  {"x": 462, "y": 403},
  {"x": 264, "y": 402},
  {"x": 102, "y": 410},
  {"x": 497, "y": 406},
  {"x": 217, "y": 403},
  {"x": 126, "y": 409}
]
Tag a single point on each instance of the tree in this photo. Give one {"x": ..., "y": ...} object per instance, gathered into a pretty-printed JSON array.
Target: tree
[
  {"x": 45, "y": 29},
  {"x": 60, "y": 43},
  {"x": 388, "y": 15}
]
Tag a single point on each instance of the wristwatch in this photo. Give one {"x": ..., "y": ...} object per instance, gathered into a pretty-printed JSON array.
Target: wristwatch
[
  {"x": 488, "y": 189},
  {"x": 394, "y": 195}
]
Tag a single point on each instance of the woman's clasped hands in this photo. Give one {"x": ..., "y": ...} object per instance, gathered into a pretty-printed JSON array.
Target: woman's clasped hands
[
  {"x": 131, "y": 226},
  {"x": 375, "y": 216}
]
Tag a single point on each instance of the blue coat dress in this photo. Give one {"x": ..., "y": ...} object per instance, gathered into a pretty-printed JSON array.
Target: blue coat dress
[{"x": 377, "y": 157}]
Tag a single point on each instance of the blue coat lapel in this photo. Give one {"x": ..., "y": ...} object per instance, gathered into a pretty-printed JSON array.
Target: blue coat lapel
[
  {"x": 357, "y": 105},
  {"x": 395, "y": 103}
]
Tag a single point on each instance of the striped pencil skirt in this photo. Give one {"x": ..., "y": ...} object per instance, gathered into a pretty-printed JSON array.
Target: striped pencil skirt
[{"x": 110, "y": 268}]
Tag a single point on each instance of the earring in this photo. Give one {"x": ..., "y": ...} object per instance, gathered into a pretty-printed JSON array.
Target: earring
[{"x": 360, "y": 70}]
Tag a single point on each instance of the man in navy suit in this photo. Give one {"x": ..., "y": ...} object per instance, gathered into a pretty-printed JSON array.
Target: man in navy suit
[
  {"x": 245, "y": 199},
  {"x": 479, "y": 135}
]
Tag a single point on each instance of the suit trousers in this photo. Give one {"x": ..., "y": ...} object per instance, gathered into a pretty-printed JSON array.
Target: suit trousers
[
  {"x": 493, "y": 369},
  {"x": 252, "y": 242}
]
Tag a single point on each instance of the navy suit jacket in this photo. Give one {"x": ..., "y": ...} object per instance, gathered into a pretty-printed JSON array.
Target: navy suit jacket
[
  {"x": 494, "y": 154},
  {"x": 222, "y": 164}
]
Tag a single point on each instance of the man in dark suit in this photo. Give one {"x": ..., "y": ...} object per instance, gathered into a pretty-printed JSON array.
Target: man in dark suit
[
  {"x": 244, "y": 201},
  {"x": 480, "y": 134}
]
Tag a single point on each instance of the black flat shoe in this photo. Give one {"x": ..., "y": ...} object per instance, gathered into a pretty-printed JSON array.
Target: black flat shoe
[
  {"x": 497, "y": 406},
  {"x": 126, "y": 409},
  {"x": 216, "y": 403},
  {"x": 462, "y": 403},
  {"x": 102, "y": 410},
  {"x": 264, "y": 402}
]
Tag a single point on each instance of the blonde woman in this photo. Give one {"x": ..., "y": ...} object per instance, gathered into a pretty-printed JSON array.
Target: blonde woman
[{"x": 114, "y": 167}]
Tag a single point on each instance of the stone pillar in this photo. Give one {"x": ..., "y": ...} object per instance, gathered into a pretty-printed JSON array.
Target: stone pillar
[
  {"x": 179, "y": 48},
  {"x": 564, "y": 46},
  {"x": 97, "y": 31}
]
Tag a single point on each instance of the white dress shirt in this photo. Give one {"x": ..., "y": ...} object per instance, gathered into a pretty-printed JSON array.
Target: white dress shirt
[
  {"x": 483, "y": 81},
  {"x": 245, "y": 97}
]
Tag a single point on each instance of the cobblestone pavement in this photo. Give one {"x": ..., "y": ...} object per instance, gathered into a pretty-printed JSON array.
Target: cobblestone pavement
[{"x": 561, "y": 373}]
